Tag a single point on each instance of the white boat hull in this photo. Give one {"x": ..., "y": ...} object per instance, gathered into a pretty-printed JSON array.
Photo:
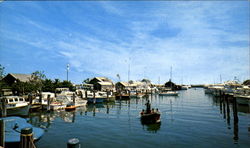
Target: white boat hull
[
  {"x": 243, "y": 100},
  {"x": 21, "y": 110},
  {"x": 169, "y": 94}
]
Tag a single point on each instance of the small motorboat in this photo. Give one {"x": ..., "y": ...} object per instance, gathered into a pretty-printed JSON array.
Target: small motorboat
[
  {"x": 150, "y": 116},
  {"x": 71, "y": 106},
  {"x": 13, "y": 127}
]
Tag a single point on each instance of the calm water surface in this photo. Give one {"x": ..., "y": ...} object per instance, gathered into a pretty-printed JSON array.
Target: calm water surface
[{"x": 192, "y": 119}]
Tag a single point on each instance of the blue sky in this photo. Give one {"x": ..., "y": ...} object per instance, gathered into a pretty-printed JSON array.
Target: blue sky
[{"x": 200, "y": 40}]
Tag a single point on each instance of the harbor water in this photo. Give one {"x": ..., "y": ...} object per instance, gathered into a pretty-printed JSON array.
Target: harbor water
[{"x": 191, "y": 119}]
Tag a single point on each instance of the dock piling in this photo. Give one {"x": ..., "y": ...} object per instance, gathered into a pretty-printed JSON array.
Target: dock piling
[
  {"x": 30, "y": 98},
  {"x": 2, "y": 134},
  {"x": 129, "y": 94},
  {"x": 228, "y": 110},
  {"x": 235, "y": 110},
  {"x": 48, "y": 103},
  {"x": 120, "y": 95},
  {"x": 224, "y": 107},
  {"x": 107, "y": 95},
  {"x": 74, "y": 98},
  {"x": 73, "y": 143},
  {"x": 86, "y": 94},
  {"x": 94, "y": 101},
  {"x": 26, "y": 138},
  {"x": 3, "y": 107}
]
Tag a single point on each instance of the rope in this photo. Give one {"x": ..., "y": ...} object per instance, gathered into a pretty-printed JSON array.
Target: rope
[
  {"x": 32, "y": 142},
  {"x": 27, "y": 141}
]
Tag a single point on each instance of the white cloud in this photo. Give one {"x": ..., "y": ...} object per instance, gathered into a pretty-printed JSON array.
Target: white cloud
[{"x": 195, "y": 51}]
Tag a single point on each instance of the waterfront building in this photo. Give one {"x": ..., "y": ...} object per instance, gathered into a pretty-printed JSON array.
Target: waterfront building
[
  {"x": 12, "y": 78},
  {"x": 102, "y": 83},
  {"x": 172, "y": 85}
]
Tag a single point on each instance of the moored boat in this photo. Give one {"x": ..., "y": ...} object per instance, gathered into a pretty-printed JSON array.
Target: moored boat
[
  {"x": 169, "y": 93},
  {"x": 97, "y": 97},
  {"x": 13, "y": 127},
  {"x": 16, "y": 106},
  {"x": 70, "y": 107},
  {"x": 243, "y": 99}
]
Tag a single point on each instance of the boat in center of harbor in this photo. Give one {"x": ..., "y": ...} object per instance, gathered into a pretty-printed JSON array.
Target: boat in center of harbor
[{"x": 150, "y": 116}]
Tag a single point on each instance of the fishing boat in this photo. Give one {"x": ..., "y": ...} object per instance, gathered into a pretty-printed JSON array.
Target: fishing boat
[
  {"x": 13, "y": 127},
  {"x": 16, "y": 106},
  {"x": 150, "y": 116}
]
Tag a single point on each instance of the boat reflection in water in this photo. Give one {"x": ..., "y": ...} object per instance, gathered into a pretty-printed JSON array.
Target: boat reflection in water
[
  {"x": 154, "y": 127},
  {"x": 44, "y": 119}
]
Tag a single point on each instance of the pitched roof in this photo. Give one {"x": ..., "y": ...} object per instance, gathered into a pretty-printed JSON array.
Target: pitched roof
[
  {"x": 102, "y": 79},
  {"x": 105, "y": 83},
  {"x": 124, "y": 83},
  {"x": 21, "y": 77}
]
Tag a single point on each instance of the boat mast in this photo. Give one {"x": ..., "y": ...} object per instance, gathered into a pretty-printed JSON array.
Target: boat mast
[{"x": 170, "y": 73}]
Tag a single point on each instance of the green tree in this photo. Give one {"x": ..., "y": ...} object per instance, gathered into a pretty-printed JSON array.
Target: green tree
[
  {"x": 48, "y": 85},
  {"x": 86, "y": 81},
  {"x": 67, "y": 84},
  {"x": 2, "y": 73},
  {"x": 146, "y": 81},
  {"x": 36, "y": 80},
  {"x": 130, "y": 81}
]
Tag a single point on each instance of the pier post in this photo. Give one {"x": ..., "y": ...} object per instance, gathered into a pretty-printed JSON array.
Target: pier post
[
  {"x": 81, "y": 95},
  {"x": 94, "y": 101},
  {"x": 129, "y": 94},
  {"x": 73, "y": 143},
  {"x": 2, "y": 134},
  {"x": 74, "y": 98},
  {"x": 136, "y": 93},
  {"x": 224, "y": 107},
  {"x": 3, "y": 107},
  {"x": 30, "y": 99},
  {"x": 120, "y": 94},
  {"x": 26, "y": 138},
  {"x": 48, "y": 103},
  {"x": 86, "y": 94},
  {"x": 220, "y": 105},
  {"x": 228, "y": 110},
  {"x": 107, "y": 95},
  {"x": 40, "y": 97},
  {"x": 235, "y": 110},
  {"x": 236, "y": 126}
]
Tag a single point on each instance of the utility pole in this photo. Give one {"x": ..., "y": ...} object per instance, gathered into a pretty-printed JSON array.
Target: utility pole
[
  {"x": 67, "y": 72},
  {"x": 220, "y": 79}
]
